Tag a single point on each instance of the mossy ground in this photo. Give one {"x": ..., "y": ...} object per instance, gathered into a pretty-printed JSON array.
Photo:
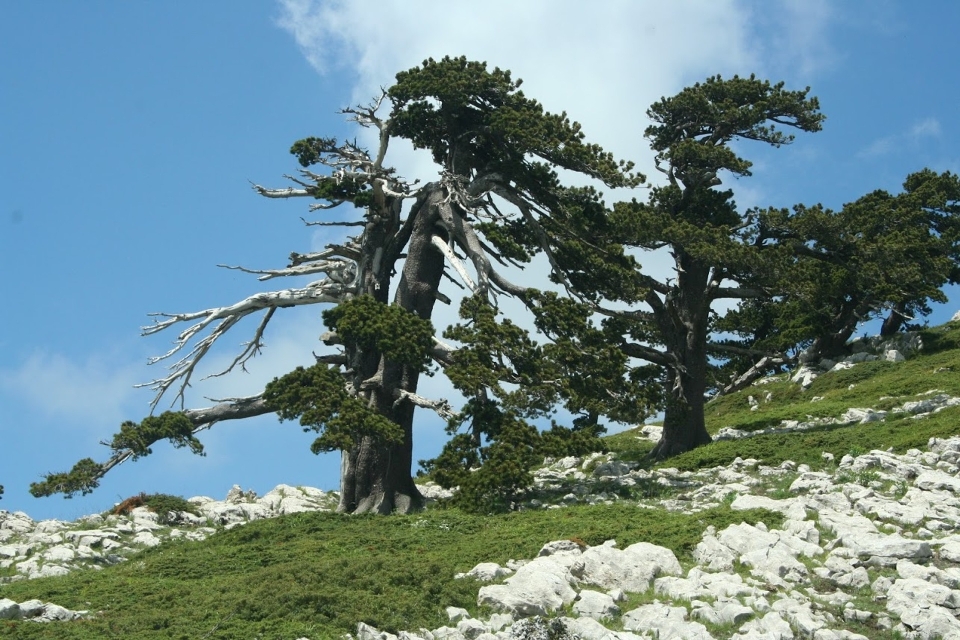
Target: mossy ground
[{"x": 318, "y": 574}]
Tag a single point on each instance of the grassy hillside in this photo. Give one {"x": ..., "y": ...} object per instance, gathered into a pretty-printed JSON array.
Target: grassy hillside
[
  {"x": 875, "y": 385},
  {"x": 317, "y": 575}
]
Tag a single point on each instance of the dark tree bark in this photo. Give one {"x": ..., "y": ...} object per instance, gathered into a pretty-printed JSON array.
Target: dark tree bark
[
  {"x": 893, "y": 322},
  {"x": 374, "y": 476},
  {"x": 683, "y": 324}
]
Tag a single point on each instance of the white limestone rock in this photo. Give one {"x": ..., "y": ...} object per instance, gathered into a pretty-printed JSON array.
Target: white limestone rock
[
  {"x": 863, "y": 416},
  {"x": 366, "y": 632},
  {"x": 790, "y": 507},
  {"x": 950, "y": 551},
  {"x": 933, "y": 480},
  {"x": 539, "y": 587},
  {"x": 486, "y": 572},
  {"x": 9, "y": 610},
  {"x": 770, "y": 627},
  {"x": 590, "y": 629},
  {"x": 666, "y": 622},
  {"x": 146, "y": 539},
  {"x": 59, "y": 553},
  {"x": 800, "y": 615},
  {"x": 596, "y": 605},
  {"x": 470, "y": 628},
  {"x": 711, "y": 554},
  {"x": 631, "y": 569}
]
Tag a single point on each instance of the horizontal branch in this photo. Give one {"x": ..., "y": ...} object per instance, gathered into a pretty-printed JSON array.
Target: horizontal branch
[
  {"x": 288, "y": 192},
  {"x": 441, "y": 407},
  {"x": 747, "y": 377},
  {"x": 636, "y": 350},
  {"x": 87, "y": 474},
  {"x": 355, "y": 223},
  {"x": 742, "y": 351},
  {"x": 342, "y": 271}
]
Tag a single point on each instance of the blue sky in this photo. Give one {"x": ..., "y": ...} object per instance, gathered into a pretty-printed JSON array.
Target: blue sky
[{"x": 130, "y": 133}]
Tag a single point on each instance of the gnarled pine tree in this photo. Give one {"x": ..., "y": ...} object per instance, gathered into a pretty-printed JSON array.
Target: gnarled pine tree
[{"x": 497, "y": 153}]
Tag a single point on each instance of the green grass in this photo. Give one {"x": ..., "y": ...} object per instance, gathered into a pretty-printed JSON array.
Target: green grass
[
  {"x": 319, "y": 574},
  {"x": 875, "y": 385}
]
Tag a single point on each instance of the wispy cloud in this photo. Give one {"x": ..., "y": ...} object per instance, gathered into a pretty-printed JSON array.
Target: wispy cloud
[
  {"x": 929, "y": 127},
  {"x": 792, "y": 36},
  {"x": 914, "y": 135},
  {"x": 93, "y": 391}
]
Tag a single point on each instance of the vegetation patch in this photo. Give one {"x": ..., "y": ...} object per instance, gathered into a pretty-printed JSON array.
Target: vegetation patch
[{"x": 162, "y": 504}]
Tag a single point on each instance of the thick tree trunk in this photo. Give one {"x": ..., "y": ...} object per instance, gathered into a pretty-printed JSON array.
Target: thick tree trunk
[
  {"x": 683, "y": 323},
  {"x": 683, "y": 421},
  {"x": 376, "y": 477}
]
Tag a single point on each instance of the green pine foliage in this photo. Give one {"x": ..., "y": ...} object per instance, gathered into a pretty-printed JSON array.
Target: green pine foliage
[
  {"x": 458, "y": 100},
  {"x": 399, "y": 335},
  {"x": 311, "y": 151},
  {"x": 169, "y": 425},
  {"x": 138, "y": 438},
  {"x": 882, "y": 253},
  {"x": 83, "y": 478},
  {"x": 317, "y": 398}
]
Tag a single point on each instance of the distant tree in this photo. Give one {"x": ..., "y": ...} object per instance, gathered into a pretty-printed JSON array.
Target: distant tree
[
  {"x": 881, "y": 255},
  {"x": 497, "y": 155},
  {"x": 718, "y": 252}
]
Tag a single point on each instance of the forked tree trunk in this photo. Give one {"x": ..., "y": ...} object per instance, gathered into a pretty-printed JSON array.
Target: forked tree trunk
[
  {"x": 893, "y": 322},
  {"x": 376, "y": 477}
]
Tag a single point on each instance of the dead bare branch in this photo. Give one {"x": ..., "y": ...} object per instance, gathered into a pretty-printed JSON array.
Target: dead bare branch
[{"x": 182, "y": 371}]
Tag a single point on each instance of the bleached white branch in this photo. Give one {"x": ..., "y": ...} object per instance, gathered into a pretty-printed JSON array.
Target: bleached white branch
[
  {"x": 288, "y": 192},
  {"x": 250, "y": 349},
  {"x": 182, "y": 371},
  {"x": 355, "y": 223},
  {"x": 342, "y": 271},
  {"x": 758, "y": 369},
  {"x": 441, "y": 407},
  {"x": 455, "y": 262}
]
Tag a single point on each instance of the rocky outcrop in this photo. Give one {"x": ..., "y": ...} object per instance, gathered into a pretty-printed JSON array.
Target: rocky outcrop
[
  {"x": 870, "y": 545},
  {"x": 53, "y": 547},
  {"x": 868, "y": 349}
]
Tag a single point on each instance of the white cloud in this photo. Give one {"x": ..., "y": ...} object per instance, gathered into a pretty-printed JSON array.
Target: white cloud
[
  {"x": 94, "y": 391},
  {"x": 914, "y": 135},
  {"x": 929, "y": 127},
  {"x": 792, "y": 37},
  {"x": 603, "y": 64}
]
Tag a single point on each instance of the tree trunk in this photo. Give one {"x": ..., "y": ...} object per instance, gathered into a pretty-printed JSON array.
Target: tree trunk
[
  {"x": 683, "y": 323},
  {"x": 376, "y": 477},
  {"x": 683, "y": 421},
  {"x": 893, "y": 322}
]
